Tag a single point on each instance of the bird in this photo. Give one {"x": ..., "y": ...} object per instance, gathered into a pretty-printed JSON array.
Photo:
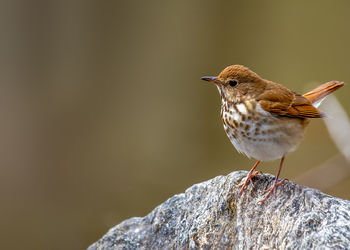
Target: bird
[{"x": 263, "y": 119}]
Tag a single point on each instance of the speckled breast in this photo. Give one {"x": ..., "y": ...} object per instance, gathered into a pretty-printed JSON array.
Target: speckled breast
[{"x": 258, "y": 133}]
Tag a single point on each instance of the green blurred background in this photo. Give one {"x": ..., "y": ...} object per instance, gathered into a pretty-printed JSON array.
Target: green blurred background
[{"x": 104, "y": 115}]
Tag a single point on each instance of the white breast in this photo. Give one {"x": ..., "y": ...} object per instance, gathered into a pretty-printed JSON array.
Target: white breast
[{"x": 259, "y": 134}]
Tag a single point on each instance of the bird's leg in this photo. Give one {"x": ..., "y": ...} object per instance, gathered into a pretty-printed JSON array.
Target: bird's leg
[
  {"x": 276, "y": 183},
  {"x": 249, "y": 177}
]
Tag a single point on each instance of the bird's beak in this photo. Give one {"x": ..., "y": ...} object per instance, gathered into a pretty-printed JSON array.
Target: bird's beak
[{"x": 212, "y": 79}]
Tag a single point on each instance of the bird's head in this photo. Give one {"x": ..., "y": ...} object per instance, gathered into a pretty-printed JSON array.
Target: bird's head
[{"x": 237, "y": 82}]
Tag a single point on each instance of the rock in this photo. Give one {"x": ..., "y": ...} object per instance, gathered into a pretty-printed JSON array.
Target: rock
[{"x": 211, "y": 215}]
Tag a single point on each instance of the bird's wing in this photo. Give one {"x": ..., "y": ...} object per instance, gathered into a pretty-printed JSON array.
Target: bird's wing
[
  {"x": 301, "y": 107},
  {"x": 284, "y": 102}
]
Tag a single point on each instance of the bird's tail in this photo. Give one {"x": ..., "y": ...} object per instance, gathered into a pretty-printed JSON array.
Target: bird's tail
[{"x": 317, "y": 95}]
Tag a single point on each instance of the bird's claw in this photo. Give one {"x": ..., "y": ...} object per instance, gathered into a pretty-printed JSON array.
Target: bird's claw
[
  {"x": 248, "y": 179},
  {"x": 272, "y": 189}
]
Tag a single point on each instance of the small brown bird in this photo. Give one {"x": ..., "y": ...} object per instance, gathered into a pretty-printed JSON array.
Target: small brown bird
[{"x": 263, "y": 119}]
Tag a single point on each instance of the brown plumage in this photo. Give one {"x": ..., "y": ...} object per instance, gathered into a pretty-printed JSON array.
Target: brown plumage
[
  {"x": 264, "y": 119},
  {"x": 296, "y": 105},
  {"x": 322, "y": 91}
]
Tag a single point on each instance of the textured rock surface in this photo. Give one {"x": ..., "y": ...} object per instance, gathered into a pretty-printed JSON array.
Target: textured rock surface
[{"x": 211, "y": 215}]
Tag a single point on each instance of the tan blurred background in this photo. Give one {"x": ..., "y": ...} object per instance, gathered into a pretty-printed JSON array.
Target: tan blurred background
[{"x": 104, "y": 115}]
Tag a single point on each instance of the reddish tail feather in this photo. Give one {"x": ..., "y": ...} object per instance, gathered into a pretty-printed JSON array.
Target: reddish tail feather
[{"x": 317, "y": 95}]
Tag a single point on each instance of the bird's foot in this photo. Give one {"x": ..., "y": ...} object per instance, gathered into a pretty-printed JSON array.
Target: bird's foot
[
  {"x": 249, "y": 178},
  {"x": 272, "y": 189}
]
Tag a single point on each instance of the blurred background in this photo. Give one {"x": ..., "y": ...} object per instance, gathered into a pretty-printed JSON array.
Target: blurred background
[{"x": 104, "y": 115}]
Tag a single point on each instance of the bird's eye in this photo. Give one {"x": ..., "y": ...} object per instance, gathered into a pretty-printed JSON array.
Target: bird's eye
[{"x": 233, "y": 83}]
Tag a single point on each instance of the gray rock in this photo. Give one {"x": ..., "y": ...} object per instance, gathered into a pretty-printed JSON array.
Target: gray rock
[{"x": 211, "y": 215}]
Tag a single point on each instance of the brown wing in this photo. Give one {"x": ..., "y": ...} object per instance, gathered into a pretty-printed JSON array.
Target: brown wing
[
  {"x": 301, "y": 107},
  {"x": 281, "y": 101}
]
